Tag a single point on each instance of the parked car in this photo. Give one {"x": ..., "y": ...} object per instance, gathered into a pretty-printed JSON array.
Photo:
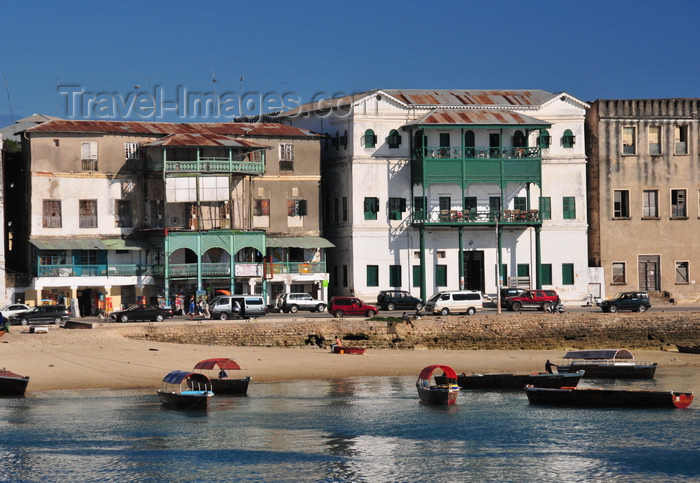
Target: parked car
[
  {"x": 455, "y": 301},
  {"x": 341, "y": 306},
  {"x": 398, "y": 299},
  {"x": 511, "y": 292},
  {"x": 142, "y": 312},
  {"x": 540, "y": 299},
  {"x": 41, "y": 315},
  {"x": 293, "y": 302},
  {"x": 224, "y": 307},
  {"x": 13, "y": 309},
  {"x": 634, "y": 301}
]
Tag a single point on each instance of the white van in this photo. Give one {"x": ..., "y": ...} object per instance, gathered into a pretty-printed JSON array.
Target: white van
[
  {"x": 222, "y": 307},
  {"x": 455, "y": 301}
]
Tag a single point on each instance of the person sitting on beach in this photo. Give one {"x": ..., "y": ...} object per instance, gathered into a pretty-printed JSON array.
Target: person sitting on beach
[
  {"x": 222, "y": 374},
  {"x": 337, "y": 341}
]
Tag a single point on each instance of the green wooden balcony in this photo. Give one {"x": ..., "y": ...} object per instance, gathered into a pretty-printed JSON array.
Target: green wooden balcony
[
  {"x": 223, "y": 270},
  {"x": 213, "y": 165},
  {"x": 99, "y": 270}
]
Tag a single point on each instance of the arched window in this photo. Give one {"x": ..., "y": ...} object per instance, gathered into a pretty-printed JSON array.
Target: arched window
[
  {"x": 469, "y": 144},
  {"x": 369, "y": 140},
  {"x": 419, "y": 142},
  {"x": 394, "y": 139},
  {"x": 519, "y": 140},
  {"x": 544, "y": 139},
  {"x": 568, "y": 139}
]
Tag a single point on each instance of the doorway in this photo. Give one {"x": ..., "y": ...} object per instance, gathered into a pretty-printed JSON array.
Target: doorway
[
  {"x": 649, "y": 273},
  {"x": 474, "y": 270}
]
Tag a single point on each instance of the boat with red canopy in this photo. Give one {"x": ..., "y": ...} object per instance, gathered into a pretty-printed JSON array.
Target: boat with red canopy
[
  {"x": 221, "y": 383},
  {"x": 185, "y": 390},
  {"x": 440, "y": 389},
  {"x": 11, "y": 384}
]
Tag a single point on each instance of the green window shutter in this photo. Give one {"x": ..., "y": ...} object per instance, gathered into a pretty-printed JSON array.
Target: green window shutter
[
  {"x": 373, "y": 275},
  {"x": 545, "y": 208},
  {"x": 371, "y": 208},
  {"x": 568, "y": 139},
  {"x": 569, "y": 207},
  {"x": 397, "y": 206},
  {"x": 394, "y": 139},
  {"x": 523, "y": 270},
  {"x": 369, "y": 140},
  {"x": 567, "y": 273},
  {"x": 545, "y": 139},
  {"x": 395, "y": 276},
  {"x": 416, "y": 275},
  {"x": 546, "y": 274},
  {"x": 441, "y": 275},
  {"x": 520, "y": 203}
]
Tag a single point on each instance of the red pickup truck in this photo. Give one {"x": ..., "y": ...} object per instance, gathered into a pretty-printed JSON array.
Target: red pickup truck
[{"x": 540, "y": 299}]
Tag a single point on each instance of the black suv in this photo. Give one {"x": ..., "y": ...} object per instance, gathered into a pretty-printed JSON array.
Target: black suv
[
  {"x": 398, "y": 299},
  {"x": 41, "y": 314},
  {"x": 634, "y": 301},
  {"x": 142, "y": 312}
]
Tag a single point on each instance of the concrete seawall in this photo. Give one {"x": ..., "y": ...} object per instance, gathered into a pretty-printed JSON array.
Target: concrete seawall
[{"x": 532, "y": 331}]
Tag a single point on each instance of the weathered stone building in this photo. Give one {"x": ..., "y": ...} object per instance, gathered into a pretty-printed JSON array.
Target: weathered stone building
[{"x": 644, "y": 194}]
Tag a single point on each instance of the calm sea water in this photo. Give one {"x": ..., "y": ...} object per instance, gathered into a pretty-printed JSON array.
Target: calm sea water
[{"x": 363, "y": 429}]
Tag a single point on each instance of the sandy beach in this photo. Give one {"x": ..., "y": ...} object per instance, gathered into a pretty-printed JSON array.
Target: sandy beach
[{"x": 105, "y": 358}]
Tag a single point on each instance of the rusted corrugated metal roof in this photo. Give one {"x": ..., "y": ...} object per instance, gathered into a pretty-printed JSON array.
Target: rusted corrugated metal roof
[
  {"x": 167, "y": 128},
  {"x": 437, "y": 98},
  {"x": 197, "y": 139},
  {"x": 478, "y": 117},
  {"x": 447, "y": 97}
]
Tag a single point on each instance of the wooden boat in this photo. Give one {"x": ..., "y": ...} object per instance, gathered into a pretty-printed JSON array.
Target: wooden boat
[
  {"x": 221, "y": 383},
  {"x": 607, "y": 363},
  {"x": 185, "y": 390},
  {"x": 689, "y": 349},
  {"x": 518, "y": 381},
  {"x": 600, "y": 398},
  {"x": 340, "y": 349},
  {"x": 443, "y": 392},
  {"x": 11, "y": 384}
]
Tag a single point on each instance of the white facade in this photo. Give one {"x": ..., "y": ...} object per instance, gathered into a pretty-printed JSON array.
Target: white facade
[{"x": 354, "y": 173}]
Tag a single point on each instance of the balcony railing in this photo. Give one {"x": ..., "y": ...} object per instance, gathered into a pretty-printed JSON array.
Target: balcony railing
[
  {"x": 299, "y": 267},
  {"x": 481, "y": 152},
  {"x": 215, "y": 165},
  {"x": 466, "y": 217},
  {"x": 122, "y": 270},
  {"x": 189, "y": 270}
]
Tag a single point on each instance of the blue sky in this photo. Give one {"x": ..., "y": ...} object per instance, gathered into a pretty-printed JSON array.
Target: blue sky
[{"x": 591, "y": 49}]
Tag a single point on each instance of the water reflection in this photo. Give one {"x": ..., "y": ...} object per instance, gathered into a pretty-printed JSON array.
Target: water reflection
[{"x": 359, "y": 429}]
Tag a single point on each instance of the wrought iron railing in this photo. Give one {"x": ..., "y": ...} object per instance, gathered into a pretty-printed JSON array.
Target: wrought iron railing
[
  {"x": 480, "y": 152},
  {"x": 452, "y": 217}
]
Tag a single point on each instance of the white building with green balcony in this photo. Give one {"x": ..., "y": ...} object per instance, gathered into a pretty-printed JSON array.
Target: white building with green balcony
[{"x": 430, "y": 190}]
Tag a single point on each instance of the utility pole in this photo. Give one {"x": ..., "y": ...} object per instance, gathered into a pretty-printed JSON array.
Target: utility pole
[{"x": 498, "y": 272}]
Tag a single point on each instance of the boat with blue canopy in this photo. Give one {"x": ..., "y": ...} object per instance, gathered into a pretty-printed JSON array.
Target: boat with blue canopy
[{"x": 185, "y": 390}]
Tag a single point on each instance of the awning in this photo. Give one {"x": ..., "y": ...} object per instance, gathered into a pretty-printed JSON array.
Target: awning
[
  {"x": 89, "y": 244},
  {"x": 298, "y": 242},
  {"x": 606, "y": 354},
  {"x": 127, "y": 244}
]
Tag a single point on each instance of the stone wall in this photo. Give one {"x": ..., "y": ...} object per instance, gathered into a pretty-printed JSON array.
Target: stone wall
[{"x": 524, "y": 331}]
